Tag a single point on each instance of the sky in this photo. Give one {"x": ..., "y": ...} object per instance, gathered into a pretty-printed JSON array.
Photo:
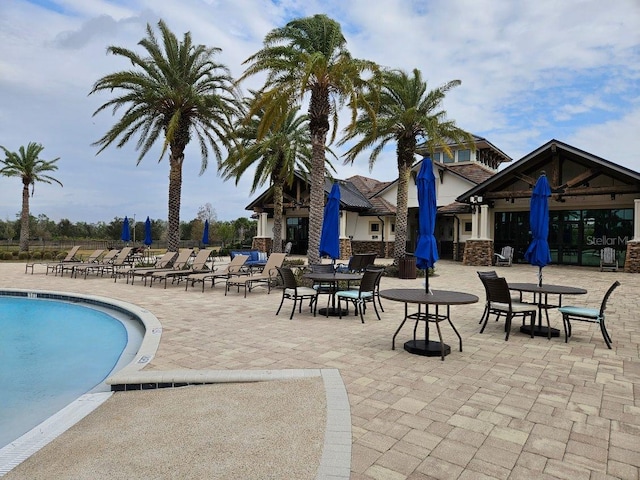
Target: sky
[{"x": 531, "y": 71}]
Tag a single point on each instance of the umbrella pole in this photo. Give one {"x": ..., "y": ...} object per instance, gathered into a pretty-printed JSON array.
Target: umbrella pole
[
  {"x": 539, "y": 276},
  {"x": 426, "y": 280}
]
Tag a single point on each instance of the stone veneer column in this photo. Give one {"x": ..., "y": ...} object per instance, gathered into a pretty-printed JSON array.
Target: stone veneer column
[
  {"x": 345, "y": 248},
  {"x": 261, "y": 243},
  {"x": 478, "y": 253},
  {"x": 632, "y": 258}
]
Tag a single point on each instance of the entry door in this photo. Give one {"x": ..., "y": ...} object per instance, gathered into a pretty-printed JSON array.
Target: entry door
[
  {"x": 571, "y": 238},
  {"x": 298, "y": 234}
]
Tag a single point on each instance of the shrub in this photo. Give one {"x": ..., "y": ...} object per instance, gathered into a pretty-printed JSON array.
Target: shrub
[
  {"x": 7, "y": 255},
  {"x": 37, "y": 255},
  {"x": 47, "y": 255},
  {"x": 23, "y": 256}
]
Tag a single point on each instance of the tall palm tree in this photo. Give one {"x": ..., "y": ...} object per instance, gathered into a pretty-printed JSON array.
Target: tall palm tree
[
  {"x": 407, "y": 113},
  {"x": 308, "y": 56},
  {"x": 276, "y": 156},
  {"x": 177, "y": 91},
  {"x": 27, "y": 164}
]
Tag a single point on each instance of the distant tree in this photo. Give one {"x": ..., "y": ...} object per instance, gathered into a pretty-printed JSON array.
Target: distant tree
[
  {"x": 176, "y": 92},
  {"x": 207, "y": 212},
  {"x": 407, "y": 113},
  {"x": 309, "y": 56},
  {"x": 30, "y": 168},
  {"x": 225, "y": 232}
]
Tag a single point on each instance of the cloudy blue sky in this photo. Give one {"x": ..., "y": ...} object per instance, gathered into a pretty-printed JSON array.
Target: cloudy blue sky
[{"x": 531, "y": 71}]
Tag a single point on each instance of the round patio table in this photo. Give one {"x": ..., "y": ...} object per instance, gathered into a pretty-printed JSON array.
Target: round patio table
[
  {"x": 540, "y": 291},
  {"x": 332, "y": 280},
  {"x": 439, "y": 298}
]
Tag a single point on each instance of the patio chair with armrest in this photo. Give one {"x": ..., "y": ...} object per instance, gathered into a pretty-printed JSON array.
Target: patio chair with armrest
[
  {"x": 323, "y": 288},
  {"x": 233, "y": 268},
  {"x": 591, "y": 315},
  {"x": 493, "y": 274},
  {"x": 608, "y": 259},
  {"x": 266, "y": 277},
  {"x": 292, "y": 291},
  {"x": 365, "y": 294},
  {"x": 501, "y": 303},
  {"x": 505, "y": 257}
]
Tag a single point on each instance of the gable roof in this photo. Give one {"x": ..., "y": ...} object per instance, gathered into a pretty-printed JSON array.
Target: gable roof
[{"x": 528, "y": 168}]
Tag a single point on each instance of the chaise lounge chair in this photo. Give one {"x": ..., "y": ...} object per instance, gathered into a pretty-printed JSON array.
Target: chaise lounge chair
[
  {"x": 199, "y": 265},
  {"x": 267, "y": 276},
  {"x": 165, "y": 262},
  {"x": 71, "y": 266},
  {"x": 233, "y": 268},
  {"x": 54, "y": 266}
]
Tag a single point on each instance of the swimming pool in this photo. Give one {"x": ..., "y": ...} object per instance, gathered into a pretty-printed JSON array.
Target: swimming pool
[{"x": 51, "y": 352}]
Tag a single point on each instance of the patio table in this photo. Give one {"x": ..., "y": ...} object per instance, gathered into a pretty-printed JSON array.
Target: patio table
[
  {"x": 439, "y": 298},
  {"x": 332, "y": 279},
  {"x": 541, "y": 298}
]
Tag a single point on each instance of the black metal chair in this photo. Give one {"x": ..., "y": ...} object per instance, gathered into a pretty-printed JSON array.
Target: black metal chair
[
  {"x": 590, "y": 315},
  {"x": 501, "y": 303},
  {"x": 365, "y": 294},
  {"x": 483, "y": 276},
  {"x": 291, "y": 291},
  {"x": 323, "y": 288}
]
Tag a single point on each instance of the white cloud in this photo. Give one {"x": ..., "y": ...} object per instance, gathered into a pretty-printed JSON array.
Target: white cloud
[{"x": 530, "y": 70}]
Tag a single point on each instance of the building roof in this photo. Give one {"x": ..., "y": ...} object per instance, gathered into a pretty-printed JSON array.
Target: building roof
[{"x": 529, "y": 167}]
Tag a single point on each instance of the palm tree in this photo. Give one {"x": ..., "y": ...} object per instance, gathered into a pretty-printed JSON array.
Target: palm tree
[
  {"x": 407, "y": 113},
  {"x": 309, "y": 56},
  {"x": 27, "y": 164},
  {"x": 177, "y": 91},
  {"x": 276, "y": 156}
]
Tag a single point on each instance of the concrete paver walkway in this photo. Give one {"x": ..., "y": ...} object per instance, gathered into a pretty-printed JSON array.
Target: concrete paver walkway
[{"x": 526, "y": 408}]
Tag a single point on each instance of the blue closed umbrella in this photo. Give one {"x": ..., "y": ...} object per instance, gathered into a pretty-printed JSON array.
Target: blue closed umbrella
[
  {"x": 147, "y": 232},
  {"x": 126, "y": 233},
  {"x": 538, "y": 252},
  {"x": 205, "y": 233},
  {"x": 330, "y": 236},
  {"x": 426, "y": 249}
]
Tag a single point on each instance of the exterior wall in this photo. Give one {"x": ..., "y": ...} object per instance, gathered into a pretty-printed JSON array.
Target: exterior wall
[{"x": 261, "y": 243}]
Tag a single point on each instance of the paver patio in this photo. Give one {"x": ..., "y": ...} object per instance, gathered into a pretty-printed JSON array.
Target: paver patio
[{"x": 526, "y": 408}]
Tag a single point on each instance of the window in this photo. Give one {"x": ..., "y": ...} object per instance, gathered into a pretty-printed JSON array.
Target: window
[
  {"x": 464, "y": 155},
  {"x": 374, "y": 227},
  {"x": 436, "y": 157},
  {"x": 393, "y": 228},
  {"x": 446, "y": 158},
  {"x": 467, "y": 226}
]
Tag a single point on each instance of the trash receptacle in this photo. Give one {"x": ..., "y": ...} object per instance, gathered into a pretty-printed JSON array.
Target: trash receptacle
[{"x": 407, "y": 268}]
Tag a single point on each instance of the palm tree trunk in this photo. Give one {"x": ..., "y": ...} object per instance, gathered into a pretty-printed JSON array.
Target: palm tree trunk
[
  {"x": 175, "y": 192},
  {"x": 319, "y": 126},
  {"x": 404, "y": 172},
  {"x": 277, "y": 216},
  {"x": 24, "y": 218},
  {"x": 316, "y": 197}
]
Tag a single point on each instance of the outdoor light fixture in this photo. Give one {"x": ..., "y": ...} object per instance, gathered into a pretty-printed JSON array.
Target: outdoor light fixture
[{"x": 475, "y": 200}]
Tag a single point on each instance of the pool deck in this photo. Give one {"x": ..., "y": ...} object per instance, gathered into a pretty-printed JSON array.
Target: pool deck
[{"x": 525, "y": 408}]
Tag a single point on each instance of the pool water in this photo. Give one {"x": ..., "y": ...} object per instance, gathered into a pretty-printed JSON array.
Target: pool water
[{"x": 51, "y": 353}]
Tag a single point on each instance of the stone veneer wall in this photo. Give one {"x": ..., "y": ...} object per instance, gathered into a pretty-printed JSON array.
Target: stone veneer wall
[
  {"x": 478, "y": 253},
  {"x": 632, "y": 259},
  {"x": 384, "y": 250}
]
